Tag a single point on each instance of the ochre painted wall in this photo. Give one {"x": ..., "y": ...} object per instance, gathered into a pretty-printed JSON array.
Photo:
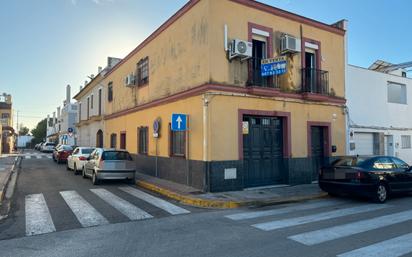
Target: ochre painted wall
[
  {"x": 237, "y": 17},
  {"x": 223, "y": 116},
  {"x": 178, "y": 60},
  {"x": 130, "y": 122}
]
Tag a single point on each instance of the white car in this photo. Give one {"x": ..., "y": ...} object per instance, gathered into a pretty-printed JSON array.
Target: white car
[
  {"x": 48, "y": 147},
  {"x": 76, "y": 160}
]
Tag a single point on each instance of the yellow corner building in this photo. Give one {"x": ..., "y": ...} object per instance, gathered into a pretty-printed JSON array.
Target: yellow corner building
[{"x": 262, "y": 90}]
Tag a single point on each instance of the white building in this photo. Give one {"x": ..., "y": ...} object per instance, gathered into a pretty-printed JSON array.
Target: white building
[
  {"x": 90, "y": 100},
  {"x": 62, "y": 129},
  {"x": 379, "y": 112}
]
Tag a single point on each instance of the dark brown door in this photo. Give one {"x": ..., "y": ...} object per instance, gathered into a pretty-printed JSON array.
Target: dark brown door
[
  {"x": 263, "y": 151},
  {"x": 318, "y": 145}
]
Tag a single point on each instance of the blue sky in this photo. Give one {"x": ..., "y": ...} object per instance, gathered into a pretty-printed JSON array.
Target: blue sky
[{"x": 47, "y": 44}]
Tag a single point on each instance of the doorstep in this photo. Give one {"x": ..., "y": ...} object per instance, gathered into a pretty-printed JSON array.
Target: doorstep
[{"x": 233, "y": 199}]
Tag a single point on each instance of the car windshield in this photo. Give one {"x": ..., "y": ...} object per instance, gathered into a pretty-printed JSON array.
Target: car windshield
[
  {"x": 87, "y": 150},
  {"x": 349, "y": 161},
  {"x": 116, "y": 155}
]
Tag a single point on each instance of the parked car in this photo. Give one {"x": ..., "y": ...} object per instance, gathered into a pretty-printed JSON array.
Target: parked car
[
  {"x": 54, "y": 153},
  {"x": 78, "y": 158},
  {"x": 38, "y": 148},
  {"x": 374, "y": 177},
  {"x": 61, "y": 153},
  {"x": 48, "y": 147},
  {"x": 109, "y": 164}
]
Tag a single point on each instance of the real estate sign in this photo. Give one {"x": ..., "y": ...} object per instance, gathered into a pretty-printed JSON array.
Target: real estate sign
[{"x": 273, "y": 66}]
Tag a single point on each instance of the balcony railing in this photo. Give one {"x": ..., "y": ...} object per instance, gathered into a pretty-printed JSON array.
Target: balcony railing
[
  {"x": 255, "y": 76},
  {"x": 315, "y": 81}
]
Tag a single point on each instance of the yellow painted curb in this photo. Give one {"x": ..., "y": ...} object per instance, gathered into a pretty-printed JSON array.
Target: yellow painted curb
[{"x": 188, "y": 200}]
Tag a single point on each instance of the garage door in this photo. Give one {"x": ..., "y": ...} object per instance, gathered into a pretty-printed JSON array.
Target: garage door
[{"x": 364, "y": 143}]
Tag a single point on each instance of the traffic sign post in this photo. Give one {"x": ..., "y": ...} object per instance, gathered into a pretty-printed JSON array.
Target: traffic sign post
[{"x": 179, "y": 122}]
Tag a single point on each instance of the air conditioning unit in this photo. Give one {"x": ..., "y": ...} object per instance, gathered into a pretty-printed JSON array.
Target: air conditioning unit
[
  {"x": 289, "y": 44},
  {"x": 241, "y": 49},
  {"x": 129, "y": 80}
]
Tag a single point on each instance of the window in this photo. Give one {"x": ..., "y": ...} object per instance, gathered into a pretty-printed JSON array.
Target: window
[
  {"x": 80, "y": 112},
  {"x": 399, "y": 163},
  {"x": 143, "y": 72},
  {"x": 113, "y": 140},
  {"x": 396, "y": 93},
  {"x": 384, "y": 164},
  {"x": 143, "y": 139},
  {"x": 123, "y": 140},
  {"x": 88, "y": 108},
  {"x": 404, "y": 74},
  {"x": 91, "y": 102},
  {"x": 116, "y": 156},
  {"x": 5, "y": 115},
  {"x": 177, "y": 143},
  {"x": 406, "y": 142},
  {"x": 110, "y": 92},
  {"x": 100, "y": 101}
]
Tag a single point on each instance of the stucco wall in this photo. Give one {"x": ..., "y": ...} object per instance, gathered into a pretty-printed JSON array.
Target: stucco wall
[
  {"x": 178, "y": 59},
  {"x": 237, "y": 17},
  {"x": 224, "y": 123},
  {"x": 367, "y": 99},
  {"x": 130, "y": 122}
]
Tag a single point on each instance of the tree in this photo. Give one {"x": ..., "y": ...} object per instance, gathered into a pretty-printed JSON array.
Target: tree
[
  {"x": 23, "y": 131},
  {"x": 39, "y": 133}
]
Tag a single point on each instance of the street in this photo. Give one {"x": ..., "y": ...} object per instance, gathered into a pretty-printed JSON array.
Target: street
[{"x": 55, "y": 213}]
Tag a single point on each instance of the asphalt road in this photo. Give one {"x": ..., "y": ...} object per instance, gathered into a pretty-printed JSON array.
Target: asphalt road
[{"x": 328, "y": 227}]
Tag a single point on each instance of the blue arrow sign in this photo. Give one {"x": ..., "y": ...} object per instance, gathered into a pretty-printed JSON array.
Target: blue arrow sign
[{"x": 179, "y": 122}]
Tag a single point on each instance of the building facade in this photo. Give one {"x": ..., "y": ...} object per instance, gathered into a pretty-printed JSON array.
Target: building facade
[
  {"x": 62, "y": 129},
  {"x": 244, "y": 130},
  {"x": 7, "y": 132},
  {"x": 379, "y": 106},
  {"x": 90, "y": 102}
]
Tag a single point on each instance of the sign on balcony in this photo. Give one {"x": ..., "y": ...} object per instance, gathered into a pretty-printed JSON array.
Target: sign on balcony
[{"x": 273, "y": 66}]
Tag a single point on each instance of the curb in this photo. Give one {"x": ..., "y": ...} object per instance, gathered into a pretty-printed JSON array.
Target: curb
[
  {"x": 189, "y": 200},
  {"x": 219, "y": 204},
  {"x": 4, "y": 188}
]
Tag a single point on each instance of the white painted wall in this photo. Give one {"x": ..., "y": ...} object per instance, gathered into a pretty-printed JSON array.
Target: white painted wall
[{"x": 369, "y": 110}]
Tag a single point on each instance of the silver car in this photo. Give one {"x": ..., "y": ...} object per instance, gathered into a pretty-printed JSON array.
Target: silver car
[{"x": 109, "y": 164}]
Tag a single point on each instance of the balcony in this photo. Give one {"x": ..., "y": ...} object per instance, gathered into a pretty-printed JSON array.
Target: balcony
[
  {"x": 315, "y": 81},
  {"x": 255, "y": 76}
]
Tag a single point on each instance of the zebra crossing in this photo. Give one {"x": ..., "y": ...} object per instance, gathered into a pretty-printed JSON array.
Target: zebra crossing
[
  {"x": 38, "y": 218},
  {"x": 36, "y": 156},
  {"x": 292, "y": 217}
]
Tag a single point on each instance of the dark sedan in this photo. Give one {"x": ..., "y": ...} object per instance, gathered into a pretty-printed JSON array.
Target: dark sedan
[{"x": 374, "y": 177}]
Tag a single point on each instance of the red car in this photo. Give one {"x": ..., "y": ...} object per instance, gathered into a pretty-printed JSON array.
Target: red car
[{"x": 61, "y": 153}]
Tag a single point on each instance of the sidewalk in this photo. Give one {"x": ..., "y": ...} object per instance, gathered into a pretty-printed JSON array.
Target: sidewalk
[
  {"x": 233, "y": 199},
  {"x": 6, "y": 167}
]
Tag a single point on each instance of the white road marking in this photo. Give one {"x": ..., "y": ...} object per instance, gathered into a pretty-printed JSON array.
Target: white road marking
[
  {"x": 162, "y": 204},
  {"x": 128, "y": 209},
  {"x": 27, "y": 157},
  {"x": 38, "y": 156},
  {"x": 394, "y": 247},
  {"x": 48, "y": 156},
  {"x": 86, "y": 214},
  {"x": 288, "y": 209},
  {"x": 332, "y": 233},
  {"x": 272, "y": 225},
  {"x": 38, "y": 219}
]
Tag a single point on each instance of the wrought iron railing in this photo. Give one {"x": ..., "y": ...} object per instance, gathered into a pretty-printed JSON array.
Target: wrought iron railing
[{"x": 315, "y": 81}]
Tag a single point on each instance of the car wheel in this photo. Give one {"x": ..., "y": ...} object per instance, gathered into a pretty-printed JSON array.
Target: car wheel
[
  {"x": 332, "y": 194},
  {"x": 95, "y": 180},
  {"x": 58, "y": 161},
  {"x": 75, "y": 169},
  {"x": 67, "y": 167},
  {"x": 84, "y": 173},
  {"x": 381, "y": 194}
]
